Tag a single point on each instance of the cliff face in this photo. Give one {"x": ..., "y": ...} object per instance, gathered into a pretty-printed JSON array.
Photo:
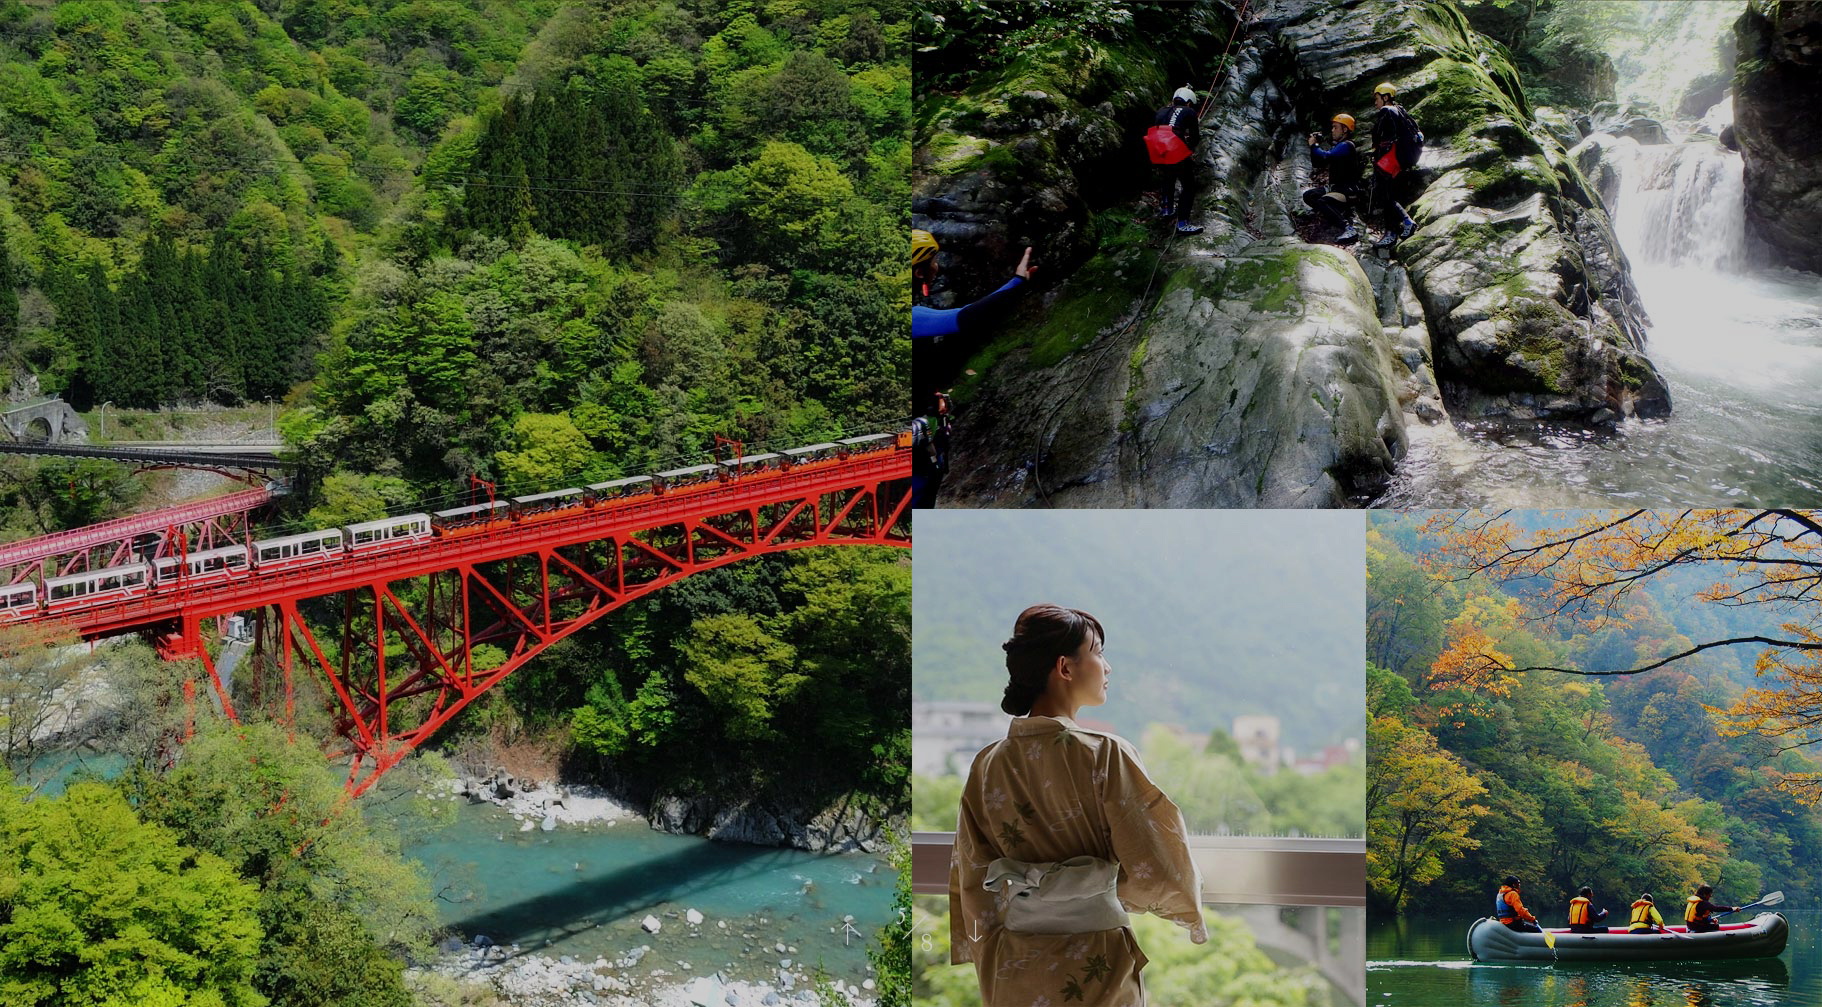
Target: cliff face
[
  {"x": 1247, "y": 366},
  {"x": 1778, "y": 126}
]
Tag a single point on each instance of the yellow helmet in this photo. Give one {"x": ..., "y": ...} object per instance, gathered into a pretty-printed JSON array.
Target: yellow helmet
[
  {"x": 923, "y": 246},
  {"x": 1386, "y": 89},
  {"x": 1345, "y": 119}
]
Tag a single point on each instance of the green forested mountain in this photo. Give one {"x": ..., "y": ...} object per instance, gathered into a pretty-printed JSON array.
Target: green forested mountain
[
  {"x": 1205, "y": 620},
  {"x": 1627, "y": 783},
  {"x": 257, "y": 145},
  {"x": 640, "y": 224}
]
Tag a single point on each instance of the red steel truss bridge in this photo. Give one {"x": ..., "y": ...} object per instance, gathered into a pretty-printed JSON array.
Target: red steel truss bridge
[
  {"x": 205, "y": 524},
  {"x": 406, "y": 637}
]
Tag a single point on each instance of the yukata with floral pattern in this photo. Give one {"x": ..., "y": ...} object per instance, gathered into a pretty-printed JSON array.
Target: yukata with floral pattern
[{"x": 1051, "y": 791}]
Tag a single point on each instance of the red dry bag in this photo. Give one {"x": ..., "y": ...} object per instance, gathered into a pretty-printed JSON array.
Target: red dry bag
[
  {"x": 1388, "y": 162},
  {"x": 1165, "y": 146}
]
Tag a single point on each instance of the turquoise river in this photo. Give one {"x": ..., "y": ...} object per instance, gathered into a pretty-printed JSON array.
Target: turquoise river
[{"x": 582, "y": 890}]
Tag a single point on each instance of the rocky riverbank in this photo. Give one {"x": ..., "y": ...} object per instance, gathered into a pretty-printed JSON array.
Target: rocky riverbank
[
  {"x": 533, "y": 980},
  {"x": 847, "y": 826},
  {"x": 541, "y": 803}
]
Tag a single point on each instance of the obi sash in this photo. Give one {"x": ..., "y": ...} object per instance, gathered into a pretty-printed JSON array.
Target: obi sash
[{"x": 1075, "y": 896}]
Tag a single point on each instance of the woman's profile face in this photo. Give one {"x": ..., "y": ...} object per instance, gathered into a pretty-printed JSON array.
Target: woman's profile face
[{"x": 1088, "y": 673}]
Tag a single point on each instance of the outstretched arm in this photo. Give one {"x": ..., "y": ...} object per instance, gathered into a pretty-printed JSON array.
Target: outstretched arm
[{"x": 990, "y": 309}]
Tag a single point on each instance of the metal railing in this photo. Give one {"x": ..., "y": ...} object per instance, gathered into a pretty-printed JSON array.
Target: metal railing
[{"x": 1236, "y": 870}]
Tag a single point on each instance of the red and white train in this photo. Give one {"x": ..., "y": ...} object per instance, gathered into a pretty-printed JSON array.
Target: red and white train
[{"x": 61, "y": 594}]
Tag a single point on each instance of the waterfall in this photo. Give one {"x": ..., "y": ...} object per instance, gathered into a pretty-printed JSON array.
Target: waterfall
[{"x": 1681, "y": 204}]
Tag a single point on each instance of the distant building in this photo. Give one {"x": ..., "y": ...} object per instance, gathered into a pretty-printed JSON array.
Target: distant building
[
  {"x": 1328, "y": 758},
  {"x": 946, "y": 735},
  {"x": 1257, "y": 736}
]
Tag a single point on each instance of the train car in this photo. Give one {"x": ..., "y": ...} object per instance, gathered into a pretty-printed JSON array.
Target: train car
[
  {"x": 544, "y": 503},
  {"x": 865, "y": 444},
  {"x": 404, "y": 527},
  {"x": 18, "y": 600},
  {"x": 95, "y": 585},
  {"x": 207, "y": 564},
  {"x": 445, "y": 521},
  {"x": 734, "y": 468},
  {"x": 808, "y": 454},
  {"x": 617, "y": 489},
  {"x": 297, "y": 550},
  {"x": 695, "y": 475}
]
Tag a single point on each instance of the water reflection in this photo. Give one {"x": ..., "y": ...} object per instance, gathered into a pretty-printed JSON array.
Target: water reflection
[{"x": 1422, "y": 963}]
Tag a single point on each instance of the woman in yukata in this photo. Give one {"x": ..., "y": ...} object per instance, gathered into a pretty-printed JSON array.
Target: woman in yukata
[{"x": 1061, "y": 834}]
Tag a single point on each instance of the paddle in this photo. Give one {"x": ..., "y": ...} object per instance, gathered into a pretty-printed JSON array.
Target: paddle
[{"x": 1774, "y": 899}]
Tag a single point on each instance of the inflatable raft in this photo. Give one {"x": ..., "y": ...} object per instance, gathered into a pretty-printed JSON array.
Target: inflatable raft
[{"x": 1763, "y": 936}]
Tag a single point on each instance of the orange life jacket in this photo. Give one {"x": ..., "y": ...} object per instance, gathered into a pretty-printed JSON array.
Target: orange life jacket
[
  {"x": 1691, "y": 914},
  {"x": 1578, "y": 910},
  {"x": 1642, "y": 913}
]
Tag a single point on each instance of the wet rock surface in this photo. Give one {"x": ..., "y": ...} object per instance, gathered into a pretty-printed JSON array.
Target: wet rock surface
[
  {"x": 842, "y": 827},
  {"x": 1248, "y": 366},
  {"x": 1778, "y": 129}
]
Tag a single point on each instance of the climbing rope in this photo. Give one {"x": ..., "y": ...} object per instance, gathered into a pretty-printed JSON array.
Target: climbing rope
[
  {"x": 1221, "y": 63},
  {"x": 1045, "y": 438}
]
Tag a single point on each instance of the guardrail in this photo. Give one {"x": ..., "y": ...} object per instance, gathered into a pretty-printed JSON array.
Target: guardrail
[{"x": 1236, "y": 870}]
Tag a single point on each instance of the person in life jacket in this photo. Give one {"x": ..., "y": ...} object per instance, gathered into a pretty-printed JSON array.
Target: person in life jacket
[
  {"x": 1583, "y": 918},
  {"x": 1509, "y": 909},
  {"x": 1338, "y": 166},
  {"x": 937, "y": 344},
  {"x": 1645, "y": 918},
  {"x": 1699, "y": 912},
  {"x": 1172, "y": 140},
  {"x": 1389, "y": 182}
]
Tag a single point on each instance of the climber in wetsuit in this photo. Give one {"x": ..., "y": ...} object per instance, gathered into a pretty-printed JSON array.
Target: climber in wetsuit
[
  {"x": 1389, "y": 186},
  {"x": 1171, "y": 143},
  {"x": 935, "y": 334},
  {"x": 1339, "y": 167}
]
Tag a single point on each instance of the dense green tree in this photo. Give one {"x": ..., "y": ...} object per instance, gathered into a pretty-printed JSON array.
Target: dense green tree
[
  {"x": 549, "y": 453},
  {"x": 97, "y": 907},
  {"x": 9, "y": 297},
  {"x": 334, "y": 896},
  {"x": 813, "y": 647}
]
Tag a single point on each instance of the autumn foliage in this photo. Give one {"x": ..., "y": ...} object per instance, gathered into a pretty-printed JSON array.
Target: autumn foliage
[
  {"x": 1618, "y": 700},
  {"x": 1588, "y": 574}
]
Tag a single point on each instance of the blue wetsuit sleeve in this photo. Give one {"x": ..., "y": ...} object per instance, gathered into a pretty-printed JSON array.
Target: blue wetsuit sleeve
[
  {"x": 928, "y": 323},
  {"x": 990, "y": 307},
  {"x": 1342, "y": 149}
]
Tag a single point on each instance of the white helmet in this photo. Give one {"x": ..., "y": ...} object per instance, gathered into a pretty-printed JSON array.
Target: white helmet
[{"x": 1185, "y": 93}]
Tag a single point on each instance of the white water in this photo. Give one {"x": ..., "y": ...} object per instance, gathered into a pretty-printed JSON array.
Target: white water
[{"x": 1740, "y": 346}]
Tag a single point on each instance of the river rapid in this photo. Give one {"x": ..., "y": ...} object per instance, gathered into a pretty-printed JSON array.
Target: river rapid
[{"x": 1739, "y": 345}]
